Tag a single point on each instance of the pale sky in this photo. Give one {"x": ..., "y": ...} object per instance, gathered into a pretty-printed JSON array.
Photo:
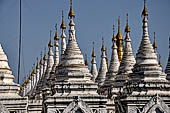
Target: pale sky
[{"x": 94, "y": 19}]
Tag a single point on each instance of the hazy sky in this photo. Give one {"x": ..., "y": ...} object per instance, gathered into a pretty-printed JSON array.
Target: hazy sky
[{"x": 94, "y": 19}]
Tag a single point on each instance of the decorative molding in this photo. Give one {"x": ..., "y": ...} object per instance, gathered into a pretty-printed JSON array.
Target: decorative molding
[
  {"x": 77, "y": 104},
  {"x": 3, "y": 109},
  {"x": 156, "y": 102}
]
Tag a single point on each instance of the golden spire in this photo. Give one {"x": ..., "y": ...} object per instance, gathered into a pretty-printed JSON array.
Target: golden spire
[
  {"x": 50, "y": 44},
  {"x": 103, "y": 48},
  {"x": 37, "y": 66},
  {"x": 114, "y": 37},
  {"x": 71, "y": 12},
  {"x": 93, "y": 52},
  {"x": 145, "y": 11},
  {"x": 160, "y": 60},
  {"x": 63, "y": 25},
  {"x": 86, "y": 62},
  {"x": 127, "y": 29},
  {"x": 119, "y": 34},
  {"x": 45, "y": 56},
  {"x": 154, "y": 43},
  {"x": 41, "y": 60},
  {"x": 107, "y": 59},
  {"x": 33, "y": 70},
  {"x": 119, "y": 42},
  {"x": 56, "y": 37}
]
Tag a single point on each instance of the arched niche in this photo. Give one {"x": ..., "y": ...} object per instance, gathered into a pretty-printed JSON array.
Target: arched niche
[
  {"x": 79, "y": 111},
  {"x": 157, "y": 110},
  {"x": 156, "y": 105}
]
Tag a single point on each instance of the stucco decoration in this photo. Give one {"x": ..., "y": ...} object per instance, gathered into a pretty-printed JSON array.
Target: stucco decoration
[
  {"x": 54, "y": 111},
  {"x": 77, "y": 104},
  {"x": 156, "y": 103},
  {"x": 134, "y": 110},
  {"x": 3, "y": 109}
]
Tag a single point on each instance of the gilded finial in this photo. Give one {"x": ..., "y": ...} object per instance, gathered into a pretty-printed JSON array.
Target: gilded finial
[
  {"x": 63, "y": 25},
  {"x": 50, "y": 44},
  {"x": 45, "y": 56},
  {"x": 93, "y": 52},
  {"x": 103, "y": 48},
  {"x": 127, "y": 29},
  {"x": 145, "y": 11},
  {"x": 33, "y": 70},
  {"x": 37, "y": 66},
  {"x": 41, "y": 60},
  {"x": 71, "y": 12},
  {"x": 56, "y": 37},
  {"x": 160, "y": 60},
  {"x": 154, "y": 43},
  {"x": 114, "y": 37},
  {"x": 119, "y": 34},
  {"x": 86, "y": 62},
  {"x": 107, "y": 59}
]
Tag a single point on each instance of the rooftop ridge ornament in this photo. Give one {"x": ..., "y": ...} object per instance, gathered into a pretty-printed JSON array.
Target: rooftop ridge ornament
[
  {"x": 63, "y": 35},
  {"x": 37, "y": 67},
  {"x": 103, "y": 48},
  {"x": 56, "y": 37},
  {"x": 50, "y": 44},
  {"x": 119, "y": 25},
  {"x": 127, "y": 29},
  {"x": 41, "y": 60},
  {"x": 119, "y": 33},
  {"x": 107, "y": 62},
  {"x": 33, "y": 69},
  {"x": 63, "y": 25},
  {"x": 71, "y": 12},
  {"x": 114, "y": 37},
  {"x": 160, "y": 63},
  {"x": 145, "y": 11},
  {"x": 86, "y": 62},
  {"x": 154, "y": 43},
  {"x": 45, "y": 52},
  {"x": 93, "y": 52}
]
